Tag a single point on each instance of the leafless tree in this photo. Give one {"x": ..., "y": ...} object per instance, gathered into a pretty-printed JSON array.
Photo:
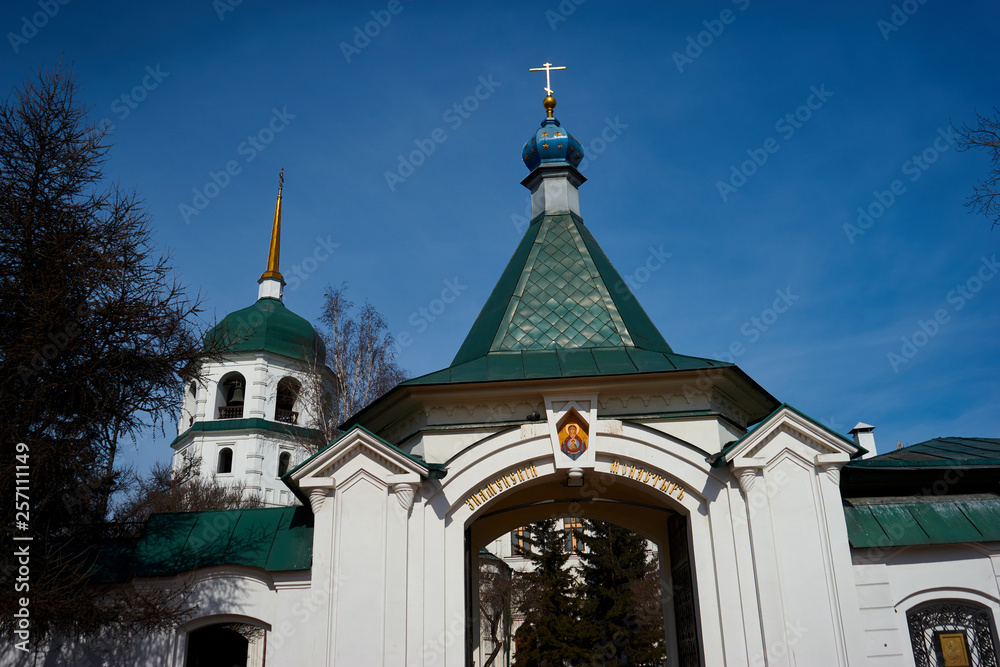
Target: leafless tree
[
  {"x": 360, "y": 350},
  {"x": 496, "y": 600},
  {"x": 985, "y": 135}
]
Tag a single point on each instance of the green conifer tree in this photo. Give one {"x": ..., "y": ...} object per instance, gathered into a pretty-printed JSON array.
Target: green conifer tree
[{"x": 618, "y": 628}]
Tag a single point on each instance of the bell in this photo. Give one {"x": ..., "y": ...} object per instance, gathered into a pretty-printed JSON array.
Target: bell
[{"x": 236, "y": 392}]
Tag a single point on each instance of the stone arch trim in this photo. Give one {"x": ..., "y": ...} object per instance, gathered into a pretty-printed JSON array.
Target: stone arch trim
[
  {"x": 473, "y": 469},
  {"x": 926, "y": 595},
  {"x": 219, "y": 619}
]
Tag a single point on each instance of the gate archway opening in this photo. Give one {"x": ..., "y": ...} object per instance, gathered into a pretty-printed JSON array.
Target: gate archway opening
[{"x": 603, "y": 498}]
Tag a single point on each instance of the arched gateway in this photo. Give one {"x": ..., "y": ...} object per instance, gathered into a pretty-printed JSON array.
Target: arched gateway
[{"x": 565, "y": 400}]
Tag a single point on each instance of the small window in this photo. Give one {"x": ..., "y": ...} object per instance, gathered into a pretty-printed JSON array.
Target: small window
[
  {"x": 952, "y": 632},
  {"x": 519, "y": 542},
  {"x": 283, "y": 460},
  {"x": 225, "y": 461},
  {"x": 573, "y": 529}
]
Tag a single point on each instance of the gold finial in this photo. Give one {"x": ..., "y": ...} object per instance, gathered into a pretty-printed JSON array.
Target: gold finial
[
  {"x": 549, "y": 102},
  {"x": 274, "y": 250}
]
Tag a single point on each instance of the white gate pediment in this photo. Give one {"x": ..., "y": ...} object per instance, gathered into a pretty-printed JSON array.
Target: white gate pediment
[
  {"x": 788, "y": 431},
  {"x": 358, "y": 451}
]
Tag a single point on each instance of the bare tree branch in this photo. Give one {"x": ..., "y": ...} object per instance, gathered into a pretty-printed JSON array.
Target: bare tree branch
[
  {"x": 985, "y": 135},
  {"x": 361, "y": 351}
]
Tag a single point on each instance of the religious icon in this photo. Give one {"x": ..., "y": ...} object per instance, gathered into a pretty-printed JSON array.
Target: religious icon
[
  {"x": 953, "y": 652},
  {"x": 573, "y": 441}
]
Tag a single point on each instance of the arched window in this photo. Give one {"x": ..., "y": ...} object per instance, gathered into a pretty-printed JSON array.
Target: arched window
[
  {"x": 232, "y": 392},
  {"x": 288, "y": 394},
  {"x": 225, "y": 461},
  {"x": 952, "y": 632},
  {"x": 283, "y": 460}
]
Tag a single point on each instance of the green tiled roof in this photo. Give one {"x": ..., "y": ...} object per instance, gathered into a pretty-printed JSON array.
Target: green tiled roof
[
  {"x": 583, "y": 362},
  {"x": 939, "y": 452},
  {"x": 560, "y": 309},
  {"x": 950, "y": 465},
  {"x": 273, "y": 539},
  {"x": 559, "y": 291},
  {"x": 269, "y": 326},
  {"x": 896, "y": 522}
]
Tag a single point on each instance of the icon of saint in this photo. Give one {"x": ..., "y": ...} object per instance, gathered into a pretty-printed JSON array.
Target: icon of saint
[{"x": 573, "y": 445}]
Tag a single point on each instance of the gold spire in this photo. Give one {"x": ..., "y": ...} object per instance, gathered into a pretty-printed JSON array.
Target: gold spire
[
  {"x": 549, "y": 102},
  {"x": 273, "y": 252}
]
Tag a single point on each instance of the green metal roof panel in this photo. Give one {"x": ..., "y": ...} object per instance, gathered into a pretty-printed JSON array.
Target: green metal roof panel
[
  {"x": 900, "y": 524},
  {"x": 863, "y": 529},
  {"x": 580, "y": 362},
  {"x": 647, "y": 361},
  {"x": 158, "y": 550},
  {"x": 985, "y": 516},
  {"x": 939, "y": 452},
  {"x": 268, "y": 326},
  {"x": 505, "y": 366},
  {"x": 252, "y": 537},
  {"x": 292, "y": 545},
  {"x": 540, "y": 364},
  {"x": 273, "y": 539},
  {"x": 577, "y": 363},
  {"x": 469, "y": 371},
  {"x": 915, "y": 521},
  {"x": 945, "y": 519},
  {"x": 209, "y": 540},
  {"x": 613, "y": 361}
]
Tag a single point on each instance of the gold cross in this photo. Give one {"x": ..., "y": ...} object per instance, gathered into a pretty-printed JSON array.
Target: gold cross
[{"x": 547, "y": 67}]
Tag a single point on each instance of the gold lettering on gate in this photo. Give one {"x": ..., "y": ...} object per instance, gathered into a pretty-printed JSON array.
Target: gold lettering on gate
[
  {"x": 499, "y": 485},
  {"x": 638, "y": 473}
]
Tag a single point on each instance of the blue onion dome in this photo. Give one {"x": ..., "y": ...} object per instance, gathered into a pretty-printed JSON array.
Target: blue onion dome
[{"x": 551, "y": 144}]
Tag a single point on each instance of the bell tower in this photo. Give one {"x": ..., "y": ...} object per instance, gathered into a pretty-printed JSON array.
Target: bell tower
[{"x": 265, "y": 391}]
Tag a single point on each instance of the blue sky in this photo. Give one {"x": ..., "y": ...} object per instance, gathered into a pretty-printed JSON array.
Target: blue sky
[{"x": 738, "y": 137}]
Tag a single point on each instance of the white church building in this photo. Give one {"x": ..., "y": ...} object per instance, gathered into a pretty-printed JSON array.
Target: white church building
[{"x": 782, "y": 542}]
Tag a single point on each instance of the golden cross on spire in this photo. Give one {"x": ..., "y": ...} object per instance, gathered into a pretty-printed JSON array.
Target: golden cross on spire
[{"x": 547, "y": 68}]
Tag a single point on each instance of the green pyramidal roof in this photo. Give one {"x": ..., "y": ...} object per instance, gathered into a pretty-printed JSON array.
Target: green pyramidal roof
[
  {"x": 559, "y": 291},
  {"x": 560, "y": 309}
]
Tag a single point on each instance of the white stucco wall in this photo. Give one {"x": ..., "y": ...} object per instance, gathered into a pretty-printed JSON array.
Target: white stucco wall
[{"x": 893, "y": 580}]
